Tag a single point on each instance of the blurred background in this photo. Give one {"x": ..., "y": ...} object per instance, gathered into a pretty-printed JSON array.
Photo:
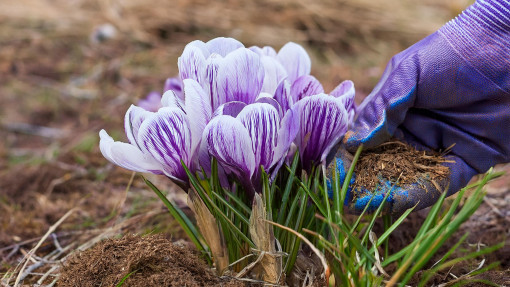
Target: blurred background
[{"x": 69, "y": 68}]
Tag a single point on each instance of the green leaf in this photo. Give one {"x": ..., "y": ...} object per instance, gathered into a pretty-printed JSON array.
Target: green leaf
[{"x": 186, "y": 224}]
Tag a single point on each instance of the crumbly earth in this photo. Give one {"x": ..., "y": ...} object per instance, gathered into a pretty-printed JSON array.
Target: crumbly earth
[
  {"x": 151, "y": 260},
  {"x": 397, "y": 162}
]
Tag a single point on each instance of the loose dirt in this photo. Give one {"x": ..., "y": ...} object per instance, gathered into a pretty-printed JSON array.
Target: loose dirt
[
  {"x": 140, "y": 261},
  {"x": 397, "y": 162}
]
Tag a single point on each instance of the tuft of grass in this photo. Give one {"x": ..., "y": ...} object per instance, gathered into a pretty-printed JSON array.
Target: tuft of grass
[{"x": 298, "y": 206}]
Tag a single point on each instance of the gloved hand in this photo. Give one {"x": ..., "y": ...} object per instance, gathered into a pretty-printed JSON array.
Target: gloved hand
[{"x": 453, "y": 87}]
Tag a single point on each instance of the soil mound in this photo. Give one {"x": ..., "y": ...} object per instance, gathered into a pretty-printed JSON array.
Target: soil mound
[
  {"x": 139, "y": 261},
  {"x": 398, "y": 162}
]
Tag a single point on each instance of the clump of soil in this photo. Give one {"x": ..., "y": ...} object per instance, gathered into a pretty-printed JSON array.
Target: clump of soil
[
  {"x": 397, "y": 162},
  {"x": 144, "y": 261}
]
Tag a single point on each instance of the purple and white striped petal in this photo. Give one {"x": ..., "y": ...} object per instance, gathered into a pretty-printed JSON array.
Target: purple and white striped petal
[
  {"x": 264, "y": 51},
  {"x": 286, "y": 135},
  {"x": 211, "y": 81},
  {"x": 274, "y": 74},
  {"x": 174, "y": 84},
  {"x": 230, "y": 109},
  {"x": 295, "y": 60},
  {"x": 345, "y": 93},
  {"x": 198, "y": 110},
  {"x": 200, "y": 45},
  {"x": 345, "y": 90},
  {"x": 262, "y": 122},
  {"x": 170, "y": 99},
  {"x": 322, "y": 123},
  {"x": 240, "y": 76},
  {"x": 127, "y": 156},
  {"x": 265, "y": 98},
  {"x": 132, "y": 121},
  {"x": 167, "y": 137},
  {"x": 283, "y": 96},
  {"x": 223, "y": 46},
  {"x": 305, "y": 86},
  {"x": 192, "y": 64},
  {"x": 229, "y": 142}
]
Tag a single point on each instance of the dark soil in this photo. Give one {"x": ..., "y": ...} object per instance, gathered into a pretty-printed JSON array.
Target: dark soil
[
  {"x": 142, "y": 261},
  {"x": 397, "y": 162}
]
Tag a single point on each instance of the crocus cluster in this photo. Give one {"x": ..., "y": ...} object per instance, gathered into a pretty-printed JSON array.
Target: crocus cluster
[{"x": 247, "y": 107}]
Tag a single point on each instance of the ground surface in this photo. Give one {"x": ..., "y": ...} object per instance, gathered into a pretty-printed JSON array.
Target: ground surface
[{"x": 60, "y": 84}]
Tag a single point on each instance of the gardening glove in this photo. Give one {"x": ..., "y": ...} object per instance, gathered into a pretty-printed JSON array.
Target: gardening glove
[{"x": 451, "y": 88}]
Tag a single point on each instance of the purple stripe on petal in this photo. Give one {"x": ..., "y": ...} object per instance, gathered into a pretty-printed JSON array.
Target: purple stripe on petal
[
  {"x": 127, "y": 156},
  {"x": 262, "y": 122},
  {"x": 229, "y": 142},
  {"x": 198, "y": 110},
  {"x": 345, "y": 93},
  {"x": 274, "y": 74},
  {"x": 200, "y": 45},
  {"x": 192, "y": 64},
  {"x": 289, "y": 128},
  {"x": 295, "y": 60},
  {"x": 323, "y": 121},
  {"x": 132, "y": 121},
  {"x": 283, "y": 96},
  {"x": 211, "y": 81},
  {"x": 240, "y": 76},
  {"x": 170, "y": 99},
  {"x": 345, "y": 88},
  {"x": 174, "y": 84},
  {"x": 229, "y": 109},
  {"x": 223, "y": 46},
  {"x": 268, "y": 99},
  {"x": 305, "y": 86},
  {"x": 167, "y": 137}
]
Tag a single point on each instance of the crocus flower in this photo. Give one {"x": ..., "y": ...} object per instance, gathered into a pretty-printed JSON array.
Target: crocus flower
[
  {"x": 255, "y": 137},
  {"x": 323, "y": 119},
  {"x": 290, "y": 63},
  {"x": 152, "y": 102},
  {"x": 225, "y": 70},
  {"x": 159, "y": 141},
  {"x": 246, "y": 107}
]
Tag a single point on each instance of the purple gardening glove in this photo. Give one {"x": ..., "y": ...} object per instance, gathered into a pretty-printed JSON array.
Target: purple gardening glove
[{"x": 453, "y": 87}]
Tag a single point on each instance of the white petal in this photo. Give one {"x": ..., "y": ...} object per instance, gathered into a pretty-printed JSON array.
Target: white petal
[
  {"x": 223, "y": 46},
  {"x": 167, "y": 137},
  {"x": 274, "y": 74},
  {"x": 210, "y": 83},
  {"x": 265, "y": 51},
  {"x": 268, "y": 99},
  {"x": 262, "y": 122},
  {"x": 323, "y": 121},
  {"x": 171, "y": 99},
  {"x": 295, "y": 60},
  {"x": 229, "y": 141},
  {"x": 198, "y": 110},
  {"x": 127, "y": 156},
  {"x": 132, "y": 121},
  {"x": 192, "y": 64},
  {"x": 287, "y": 133},
  {"x": 240, "y": 76}
]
